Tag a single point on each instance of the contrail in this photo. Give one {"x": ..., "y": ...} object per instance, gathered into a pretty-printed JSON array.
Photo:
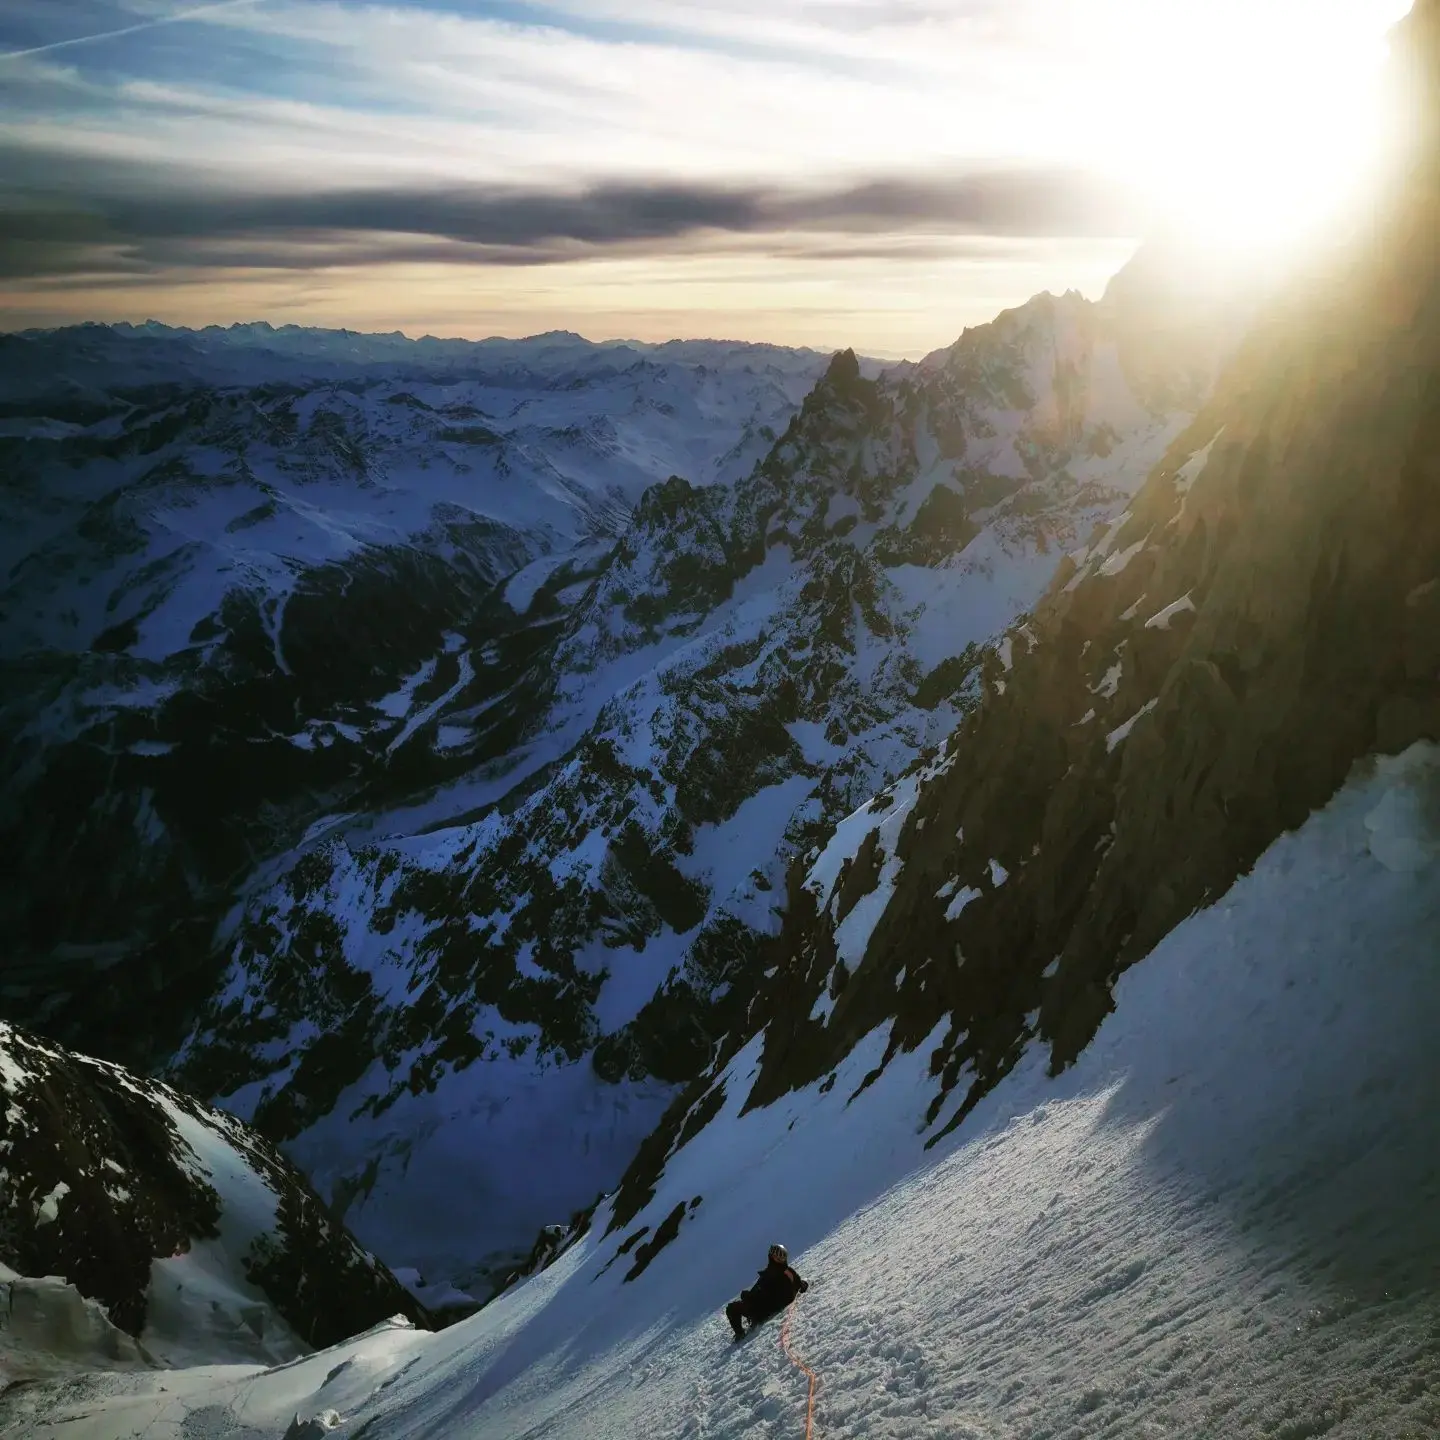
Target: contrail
[{"x": 126, "y": 29}]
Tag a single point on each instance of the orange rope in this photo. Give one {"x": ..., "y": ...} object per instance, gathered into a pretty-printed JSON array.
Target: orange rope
[{"x": 800, "y": 1365}]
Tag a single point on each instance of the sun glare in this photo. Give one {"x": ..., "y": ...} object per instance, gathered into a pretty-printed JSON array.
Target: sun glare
[{"x": 1248, "y": 124}]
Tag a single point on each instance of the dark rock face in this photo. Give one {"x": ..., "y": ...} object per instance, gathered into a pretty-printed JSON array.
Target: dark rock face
[
  {"x": 104, "y": 1173},
  {"x": 1196, "y": 682}
]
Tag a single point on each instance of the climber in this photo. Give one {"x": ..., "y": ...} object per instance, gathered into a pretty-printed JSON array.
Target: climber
[{"x": 775, "y": 1288}]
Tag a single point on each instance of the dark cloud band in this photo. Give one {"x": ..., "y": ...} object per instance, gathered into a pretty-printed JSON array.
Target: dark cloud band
[{"x": 62, "y": 215}]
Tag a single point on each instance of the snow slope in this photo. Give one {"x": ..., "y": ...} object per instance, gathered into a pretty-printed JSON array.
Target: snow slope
[{"x": 1221, "y": 1220}]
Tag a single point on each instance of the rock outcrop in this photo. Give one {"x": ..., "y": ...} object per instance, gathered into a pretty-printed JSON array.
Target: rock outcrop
[{"x": 184, "y": 1225}]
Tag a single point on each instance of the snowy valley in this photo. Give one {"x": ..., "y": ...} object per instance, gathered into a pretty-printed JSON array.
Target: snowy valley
[{"x": 581, "y": 813}]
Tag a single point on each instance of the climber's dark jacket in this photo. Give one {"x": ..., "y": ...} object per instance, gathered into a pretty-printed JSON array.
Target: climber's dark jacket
[{"x": 775, "y": 1287}]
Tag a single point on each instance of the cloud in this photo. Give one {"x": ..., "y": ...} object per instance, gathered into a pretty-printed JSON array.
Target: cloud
[
  {"x": 579, "y": 88},
  {"x": 63, "y": 213},
  {"x": 833, "y": 154}
]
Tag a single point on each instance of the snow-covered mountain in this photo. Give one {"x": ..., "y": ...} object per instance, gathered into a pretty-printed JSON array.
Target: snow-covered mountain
[
  {"x": 175, "y": 1231},
  {"x": 526, "y": 962},
  {"x": 248, "y": 578},
  {"x": 1256, "y": 626},
  {"x": 507, "y": 805}
]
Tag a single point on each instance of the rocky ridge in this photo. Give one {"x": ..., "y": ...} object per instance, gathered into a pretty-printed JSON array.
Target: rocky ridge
[{"x": 1195, "y": 681}]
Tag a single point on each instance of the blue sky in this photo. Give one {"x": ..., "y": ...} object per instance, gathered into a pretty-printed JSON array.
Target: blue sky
[{"x": 867, "y": 172}]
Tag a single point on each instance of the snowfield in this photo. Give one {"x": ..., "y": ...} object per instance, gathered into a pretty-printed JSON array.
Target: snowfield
[{"x": 1224, "y": 1220}]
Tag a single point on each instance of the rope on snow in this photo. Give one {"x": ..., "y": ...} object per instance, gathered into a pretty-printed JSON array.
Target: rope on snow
[{"x": 800, "y": 1365}]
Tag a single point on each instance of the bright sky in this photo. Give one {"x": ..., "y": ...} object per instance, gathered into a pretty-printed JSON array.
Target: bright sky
[{"x": 875, "y": 173}]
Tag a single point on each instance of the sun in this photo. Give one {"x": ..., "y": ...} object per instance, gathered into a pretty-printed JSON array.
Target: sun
[{"x": 1250, "y": 125}]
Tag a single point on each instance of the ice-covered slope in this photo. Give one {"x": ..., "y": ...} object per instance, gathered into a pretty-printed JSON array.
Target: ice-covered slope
[
  {"x": 1221, "y": 1220},
  {"x": 193, "y": 1234},
  {"x": 528, "y": 961}
]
